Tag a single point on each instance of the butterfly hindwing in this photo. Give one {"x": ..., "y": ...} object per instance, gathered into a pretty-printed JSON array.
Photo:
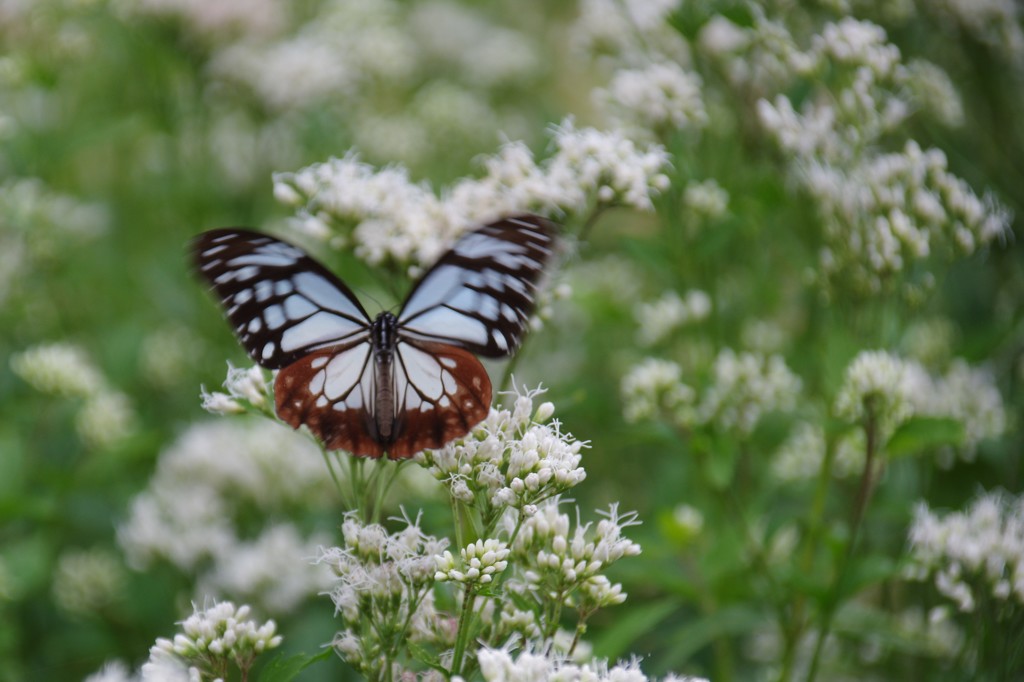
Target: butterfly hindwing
[
  {"x": 282, "y": 303},
  {"x": 441, "y": 392},
  {"x": 333, "y": 392},
  {"x": 480, "y": 294}
]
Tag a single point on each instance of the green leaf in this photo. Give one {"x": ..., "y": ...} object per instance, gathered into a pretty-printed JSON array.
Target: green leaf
[
  {"x": 690, "y": 639},
  {"x": 924, "y": 433},
  {"x": 426, "y": 657},
  {"x": 286, "y": 668},
  {"x": 614, "y": 642}
]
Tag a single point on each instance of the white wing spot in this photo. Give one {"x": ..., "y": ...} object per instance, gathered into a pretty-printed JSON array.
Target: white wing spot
[
  {"x": 274, "y": 317},
  {"x": 268, "y": 350},
  {"x": 255, "y": 324},
  {"x": 319, "y": 362},
  {"x": 264, "y": 290}
]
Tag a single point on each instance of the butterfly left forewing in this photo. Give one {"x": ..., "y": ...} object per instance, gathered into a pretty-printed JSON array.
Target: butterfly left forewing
[
  {"x": 333, "y": 392},
  {"x": 441, "y": 393}
]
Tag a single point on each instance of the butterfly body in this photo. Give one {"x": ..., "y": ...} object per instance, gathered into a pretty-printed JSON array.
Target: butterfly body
[{"x": 396, "y": 384}]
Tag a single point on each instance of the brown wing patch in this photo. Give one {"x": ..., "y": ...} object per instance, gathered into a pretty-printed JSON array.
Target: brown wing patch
[
  {"x": 332, "y": 392},
  {"x": 441, "y": 392}
]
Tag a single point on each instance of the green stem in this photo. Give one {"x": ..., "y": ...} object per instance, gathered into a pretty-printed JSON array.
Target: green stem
[
  {"x": 794, "y": 631},
  {"x": 860, "y": 505},
  {"x": 462, "y": 635}
]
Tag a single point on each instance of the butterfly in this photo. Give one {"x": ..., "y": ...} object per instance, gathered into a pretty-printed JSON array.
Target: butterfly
[{"x": 394, "y": 384}]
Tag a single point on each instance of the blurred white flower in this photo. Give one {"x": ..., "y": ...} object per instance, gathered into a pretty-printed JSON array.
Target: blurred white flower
[
  {"x": 744, "y": 387},
  {"x": 706, "y": 199},
  {"x": 499, "y": 665},
  {"x": 658, "y": 96},
  {"x": 113, "y": 671},
  {"x": 654, "y": 386},
  {"x": 105, "y": 419},
  {"x": 87, "y": 581},
  {"x": 994, "y": 22},
  {"x": 188, "y": 513},
  {"x": 275, "y": 570},
  {"x": 980, "y": 549},
  {"x": 878, "y": 384},
  {"x": 61, "y": 369},
  {"x": 659, "y": 318}
]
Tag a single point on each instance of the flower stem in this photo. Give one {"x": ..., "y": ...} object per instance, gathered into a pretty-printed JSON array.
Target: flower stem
[
  {"x": 462, "y": 635},
  {"x": 860, "y": 504}
]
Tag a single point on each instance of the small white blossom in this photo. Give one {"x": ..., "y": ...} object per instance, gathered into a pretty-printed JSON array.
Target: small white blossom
[
  {"x": 480, "y": 562},
  {"x": 211, "y": 638},
  {"x": 509, "y": 457}
]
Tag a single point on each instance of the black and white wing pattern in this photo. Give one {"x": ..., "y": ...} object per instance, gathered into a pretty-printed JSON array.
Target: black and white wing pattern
[
  {"x": 396, "y": 385},
  {"x": 282, "y": 304},
  {"x": 481, "y": 293}
]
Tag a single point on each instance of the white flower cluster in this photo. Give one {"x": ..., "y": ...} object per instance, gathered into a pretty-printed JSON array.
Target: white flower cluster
[
  {"x": 996, "y": 23},
  {"x": 660, "y": 96},
  {"x": 894, "y": 389},
  {"x": 106, "y": 416},
  {"x": 245, "y": 387},
  {"x": 654, "y": 386},
  {"x": 880, "y": 385},
  {"x": 211, "y": 640},
  {"x": 514, "y": 458},
  {"x": 38, "y": 225},
  {"x": 499, "y": 665},
  {"x": 757, "y": 60},
  {"x": 880, "y": 212},
  {"x": 745, "y": 386},
  {"x": 383, "y": 589},
  {"x": 658, "y": 319},
  {"x": 883, "y": 214},
  {"x": 741, "y": 389},
  {"x": 203, "y": 484},
  {"x": 566, "y": 563},
  {"x": 390, "y": 219},
  {"x": 480, "y": 562},
  {"x": 976, "y": 556},
  {"x": 358, "y": 49}
]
